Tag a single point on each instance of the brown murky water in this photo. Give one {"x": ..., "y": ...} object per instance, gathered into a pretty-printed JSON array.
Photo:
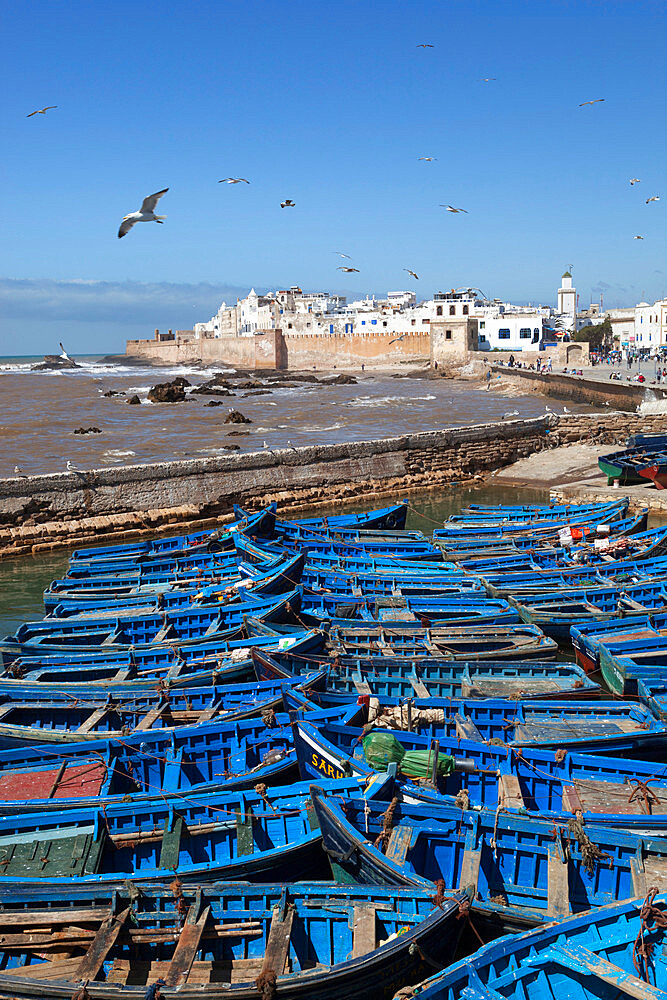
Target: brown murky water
[{"x": 40, "y": 411}]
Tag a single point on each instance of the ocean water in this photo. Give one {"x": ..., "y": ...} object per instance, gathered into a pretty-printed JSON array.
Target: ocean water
[{"x": 39, "y": 412}]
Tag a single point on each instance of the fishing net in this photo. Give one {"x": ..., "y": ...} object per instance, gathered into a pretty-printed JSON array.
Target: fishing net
[{"x": 382, "y": 749}]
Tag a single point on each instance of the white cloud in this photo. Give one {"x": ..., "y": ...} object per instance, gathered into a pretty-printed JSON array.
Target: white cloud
[{"x": 116, "y": 302}]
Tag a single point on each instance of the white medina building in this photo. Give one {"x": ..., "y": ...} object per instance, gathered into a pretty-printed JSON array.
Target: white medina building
[
  {"x": 501, "y": 325},
  {"x": 650, "y": 326}
]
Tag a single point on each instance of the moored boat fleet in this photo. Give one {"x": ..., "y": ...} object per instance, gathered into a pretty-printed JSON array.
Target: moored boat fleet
[{"x": 336, "y": 757}]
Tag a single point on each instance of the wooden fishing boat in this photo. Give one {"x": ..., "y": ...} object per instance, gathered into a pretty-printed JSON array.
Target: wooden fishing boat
[
  {"x": 618, "y": 951},
  {"x": 56, "y": 719},
  {"x": 611, "y": 574},
  {"x": 614, "y": 792},
  {"x": 207, "y": 757},
  {"x": 595, "y": 726},
  {"x": 557, "y": 613},
  {"x": 655, "y": 471},
  {"x": 446, "y": 609},
  {"x": 153, "y": 628},
  {"x": 587, "y": 636},
  {"x": 512, "y": 515},
  {"x": 528, "y": 509},
  {"x": 461, "y": 539},
  {"x": 582, "y": 524},
  {"x": 631, "y": 464},
  {"x": 261, "y": 523},
  {"x": 522, "y": 871},
  {"x": 263, "y": 836},
  {"x": 467, "y": 642},
  {"x": 350, "y": 677},
  {"x": 206, "y": 662},
  {"x": 305, "y": 941}
]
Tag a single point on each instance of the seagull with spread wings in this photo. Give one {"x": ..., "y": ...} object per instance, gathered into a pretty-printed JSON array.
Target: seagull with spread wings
[
  {"x": 634, "y": 180},
  {"x": 288, "y": 203},
  {"x": 340, "y": 253},
  {"x": 450, "y": 208},
  {"x": 425, "y": 45},
  {"x": 487, "y": 79},
  {"x": 233, "y": 180},
  {"x": 598, "y": 100},
  {"x": 145, "y": 214},
  {"x": 412, "y": 274},
  {"x": 638, "y": 237},
  {"x": 42, "y": 111},
  {"x": 654, "y": 197},
  {"x": 427, "y": 159},
  {"x": 348, "y": 270}
]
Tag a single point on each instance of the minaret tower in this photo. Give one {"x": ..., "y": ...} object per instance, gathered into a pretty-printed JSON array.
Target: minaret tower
[{"x": 567, "y": 298}]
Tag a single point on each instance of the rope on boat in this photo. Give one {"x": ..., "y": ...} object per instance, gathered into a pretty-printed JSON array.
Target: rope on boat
[
  {"x": 651, "y": 917},
  {"x": 387, "y": 817},
  {"x": 642, "y": 791},
  {"x": 590, "y": 852}
]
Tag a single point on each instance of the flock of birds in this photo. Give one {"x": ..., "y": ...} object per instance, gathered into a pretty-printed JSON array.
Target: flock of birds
[{"x": 147, "y": 211}]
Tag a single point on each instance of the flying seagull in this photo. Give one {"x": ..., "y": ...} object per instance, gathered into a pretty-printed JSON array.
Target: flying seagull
[
  {"x": 233, "y": 180},
  {"x": 654, "y": 197},
  {"x": 345, "y": 256},
  {"x": 598, "y": 100},
  {"x": 348, "y": 270},
  {"x": 635, "y": 180},
  {"x": 287, "y": 203},
  {"x": 145, "y": 214},
  {"x": 412, "y": 273},
  {"x": 425, "y": 45},
  {"x": 638, "y": 237},
  {"x": 42, "y": 111},
  {"x": 450, "y": 208},
  {"x": 487, "y": 79},
  {"x": 428, "y": 159},
  {"x": 396, "y": 340}
]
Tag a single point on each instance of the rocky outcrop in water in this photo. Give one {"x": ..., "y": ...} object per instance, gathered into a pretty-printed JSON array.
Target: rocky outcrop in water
[
  {"x": 54, "y": 362},
  {"x": 338, "y": 380},
  {"x": 169, "y": 392},
  {"x": 134, "y": 401},
  {"x": 236, "y": 417},
  {"x": 87, "y": 430}
]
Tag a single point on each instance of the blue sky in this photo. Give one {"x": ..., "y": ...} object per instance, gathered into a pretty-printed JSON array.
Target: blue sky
[{"x": 330, "y": 105}]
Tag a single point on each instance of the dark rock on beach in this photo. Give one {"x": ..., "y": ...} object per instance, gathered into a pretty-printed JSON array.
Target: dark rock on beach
[
  {"x": 235, "y": 417},
  {"x": 134, "y": 401},
  {"x": 339, "y": 380}
]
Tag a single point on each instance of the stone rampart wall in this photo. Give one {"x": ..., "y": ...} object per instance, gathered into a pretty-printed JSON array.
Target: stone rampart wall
[{"x": 49, "y": 511}]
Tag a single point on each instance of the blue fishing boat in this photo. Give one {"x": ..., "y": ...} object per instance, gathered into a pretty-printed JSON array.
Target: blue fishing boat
[
  {"x": 614, "y": 792},
  {"x": 560, "y": 611},
  {"x": 521, "y": 871},
  {"x": 305, "y": 941},
  {"x": 261, "y": 523},
  {"x": 257, "y": 836},
  {"x": 250, "y": 582},
  {"x": 617, "y": 951},
  {"x": 208, "y": 661},
  {"x": 28, "y": 718},
  {"x": 447, "y": 609},
  {"x": 594, "y": 726},
  {"x": 513, "y": 515},
  {"x": 460, "y": 539},
  {"x": 617, "y": 573},
  {"x": 350, "y": 677},
  {"x": 465, "y": 642},
  {"x": 209, "y": 757},
  {"x": 152, "y": 628},
  {"x": 587, "y": 636}
]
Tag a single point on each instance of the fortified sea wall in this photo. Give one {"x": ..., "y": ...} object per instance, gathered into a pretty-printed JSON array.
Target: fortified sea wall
[{"x": 42, "y": 513}]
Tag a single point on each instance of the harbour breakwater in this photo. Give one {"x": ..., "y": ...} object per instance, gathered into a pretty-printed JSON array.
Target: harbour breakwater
[
  {"x": 625, "y": 396},
  {"x": 46, "y": 512}
]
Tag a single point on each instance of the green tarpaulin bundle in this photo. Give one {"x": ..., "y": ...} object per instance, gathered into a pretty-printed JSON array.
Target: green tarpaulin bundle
[{"x": 382, "y": 749}]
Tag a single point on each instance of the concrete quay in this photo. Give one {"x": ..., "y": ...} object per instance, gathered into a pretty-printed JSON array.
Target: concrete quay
[{"x": 590, "y": 388}]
